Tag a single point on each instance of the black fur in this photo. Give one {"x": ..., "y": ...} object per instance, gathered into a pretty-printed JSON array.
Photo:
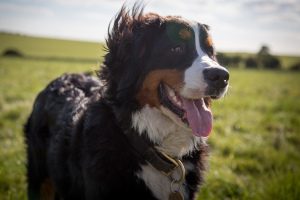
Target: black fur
[{"x": 75, "y": 133}]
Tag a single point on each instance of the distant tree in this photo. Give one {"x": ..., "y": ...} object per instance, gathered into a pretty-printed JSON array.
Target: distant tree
[
  {"x": 271, "y": 62},
  {"x": 251, "y": 62},
  {"x": 223, "y": 59},
  {"x": 295, "y": 67},
  {"x": 12, "y": 52},
  {"x": 265, "y": 50},
  {"x": 235, "y": 60},
  {"x": 267, "y": 60},
  {"x": 228, "y": 61}
]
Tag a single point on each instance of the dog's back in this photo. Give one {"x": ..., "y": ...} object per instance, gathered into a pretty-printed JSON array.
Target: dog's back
[
  {"x": 76, "y": 150},
  {"x": 56, "y": 111}
]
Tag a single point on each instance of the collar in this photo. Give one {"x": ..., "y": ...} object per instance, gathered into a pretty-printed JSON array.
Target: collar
[{"x": 159, "y": 160}]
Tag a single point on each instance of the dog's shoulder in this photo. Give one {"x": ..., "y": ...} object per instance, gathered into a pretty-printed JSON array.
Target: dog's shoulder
[{"x": 101, "y": 150}]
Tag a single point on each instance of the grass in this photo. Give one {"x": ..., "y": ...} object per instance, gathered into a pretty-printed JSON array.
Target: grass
[
  {"x": 255, "y": 145},
  {"x": 255, "y": 141}
]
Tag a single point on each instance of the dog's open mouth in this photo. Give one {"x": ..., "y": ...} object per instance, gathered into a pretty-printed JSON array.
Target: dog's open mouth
[{"x": 192, "y": 112}]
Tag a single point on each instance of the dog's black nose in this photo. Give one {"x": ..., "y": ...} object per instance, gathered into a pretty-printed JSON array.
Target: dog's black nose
[{"x": 217, "y": 77}]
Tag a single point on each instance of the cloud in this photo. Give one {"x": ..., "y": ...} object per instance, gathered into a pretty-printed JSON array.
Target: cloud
[
  {"x": 265, "y": 7},
  {"x": 25, "y": 9},
  {"x": 92, "y": 15},
  {"x": 86, "y": 3},
  {"x": 271, "y": 7},
  {"x": 283, "y": 19}
]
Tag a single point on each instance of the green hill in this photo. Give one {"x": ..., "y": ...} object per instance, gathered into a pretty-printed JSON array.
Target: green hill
[{"x": 50, "y": 48}]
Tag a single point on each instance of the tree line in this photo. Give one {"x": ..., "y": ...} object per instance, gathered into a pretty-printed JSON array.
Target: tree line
[{"x": 262, "y": 60}]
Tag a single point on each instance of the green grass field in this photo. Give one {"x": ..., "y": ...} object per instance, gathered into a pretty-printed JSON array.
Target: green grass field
[{"x": 255, "y": 143}]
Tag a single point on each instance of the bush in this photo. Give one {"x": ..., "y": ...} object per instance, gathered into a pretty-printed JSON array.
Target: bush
[
  {"x": 228, "y": 61},
  {"x": 223, "y": 59},
  {"x": 267, "y": 60},
  {"x": 251, "y": 62},
  {"x": 270, "y": 62},
  {"x": 235, "y": 60},
  {"x": 295, "y": 67},
  {"x": 12, "y": 52}
]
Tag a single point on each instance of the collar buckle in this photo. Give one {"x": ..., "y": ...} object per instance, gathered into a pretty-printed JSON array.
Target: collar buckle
[
  {"x": 177, "y": 164},
  {"x": 174, "y": 161}
]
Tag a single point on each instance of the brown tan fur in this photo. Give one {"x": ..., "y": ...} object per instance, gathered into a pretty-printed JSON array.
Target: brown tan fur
[
  {"x": 148, "y": 94},
  {"x": 47, "y": 190}
]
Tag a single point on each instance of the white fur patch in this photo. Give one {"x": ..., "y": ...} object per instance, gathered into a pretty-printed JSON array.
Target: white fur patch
[
  {"x": 171, "y": 138},
  {"x": 159, "y": 184}
]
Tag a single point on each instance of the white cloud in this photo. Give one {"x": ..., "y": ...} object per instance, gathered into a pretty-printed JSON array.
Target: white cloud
[
  {"x": 265, "y": 7},
  {"x": 93, "y": 15},
  {"x": 25, "y": 9},
  {"x": 281, "y": 19},
  {"x": 87, "y": 3}
]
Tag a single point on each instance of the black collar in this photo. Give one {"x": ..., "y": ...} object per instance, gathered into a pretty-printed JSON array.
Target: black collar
[{"x": 157, "y": 159}]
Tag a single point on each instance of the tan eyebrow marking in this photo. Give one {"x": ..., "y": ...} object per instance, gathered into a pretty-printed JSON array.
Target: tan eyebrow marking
[
  {"x": 185, "y": 34},
  {"x": 208, "y": 41}
]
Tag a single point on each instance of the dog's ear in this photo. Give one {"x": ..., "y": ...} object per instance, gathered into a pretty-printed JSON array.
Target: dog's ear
[
  {"x": 145, "y": 29},
  {"x": 131, "y": 38},
  {"x": 206, "y": 26}
]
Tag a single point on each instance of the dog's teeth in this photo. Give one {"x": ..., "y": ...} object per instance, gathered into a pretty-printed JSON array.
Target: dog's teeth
[
  {"x": 174, "y": 98},
  {"x": 171, "y": 92},
  {"x": 179, "y": 103}
]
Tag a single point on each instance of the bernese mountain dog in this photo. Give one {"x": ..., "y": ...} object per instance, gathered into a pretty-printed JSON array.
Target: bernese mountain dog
[{"x": 139, "y": 130}]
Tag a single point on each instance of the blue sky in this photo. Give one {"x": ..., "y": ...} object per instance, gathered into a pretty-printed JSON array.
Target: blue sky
[{"x": 236, "y": 25}]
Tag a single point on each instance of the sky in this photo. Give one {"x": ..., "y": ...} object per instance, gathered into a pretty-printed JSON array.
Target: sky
[{"x": 236, "y": 25}]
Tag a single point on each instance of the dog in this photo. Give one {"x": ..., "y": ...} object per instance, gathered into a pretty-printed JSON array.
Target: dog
[{"x": 139, "y": 129}]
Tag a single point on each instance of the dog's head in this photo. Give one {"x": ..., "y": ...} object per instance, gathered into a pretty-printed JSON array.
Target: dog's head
[{"x": 162, "y": 64}]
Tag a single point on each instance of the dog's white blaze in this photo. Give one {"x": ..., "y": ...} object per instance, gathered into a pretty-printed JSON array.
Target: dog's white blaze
[
  {"x": 195, "y": 84},
  {"x": 195, "y": 27}
]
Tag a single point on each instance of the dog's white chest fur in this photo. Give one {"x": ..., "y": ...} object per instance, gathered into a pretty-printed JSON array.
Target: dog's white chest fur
[{"x": 172, "y": 138}]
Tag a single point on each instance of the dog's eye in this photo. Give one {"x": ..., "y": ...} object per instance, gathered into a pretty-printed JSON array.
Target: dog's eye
[
  {"x": 177, "y": 49},
  {"x": 211, "y": 51}
]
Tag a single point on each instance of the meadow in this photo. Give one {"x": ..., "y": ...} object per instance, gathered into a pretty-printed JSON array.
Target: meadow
[{"x": 255, "y": 142}]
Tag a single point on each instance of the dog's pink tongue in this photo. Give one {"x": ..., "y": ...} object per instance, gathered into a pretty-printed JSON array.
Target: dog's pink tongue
[{"x": 198, "y": 116}]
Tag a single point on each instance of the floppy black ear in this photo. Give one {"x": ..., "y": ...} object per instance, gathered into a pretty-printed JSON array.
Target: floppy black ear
[{"x": 206, "y": 26}]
